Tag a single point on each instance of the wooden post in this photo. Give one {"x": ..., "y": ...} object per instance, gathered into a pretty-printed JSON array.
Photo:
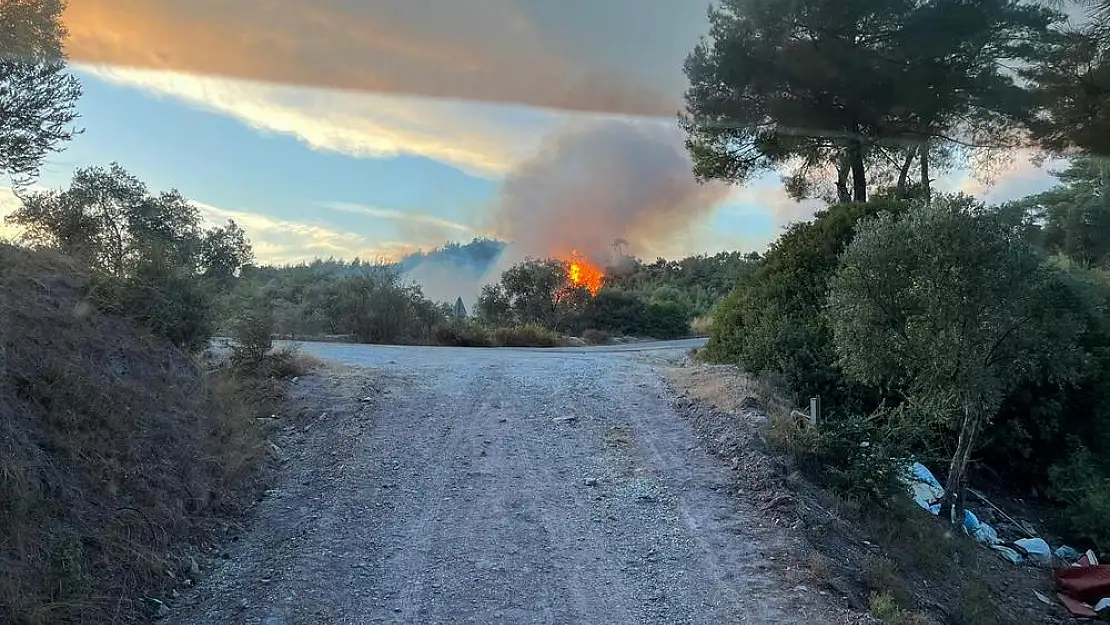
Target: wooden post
[{"x": 814, "y": 410}]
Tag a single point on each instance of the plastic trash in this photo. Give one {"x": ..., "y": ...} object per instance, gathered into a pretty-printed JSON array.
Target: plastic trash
[
  {"x": 1084, "y": 590},
  {"x": 986, "y": 535},
  {"x": 1009, "y": 554},
  {"x": 924, "y": 487},
  {"x": 1067, "y": 554},
  {"x": 1036, "y": 550},
  {"x": 922, "y": 474},
  {"x": 971, "y": 522}
]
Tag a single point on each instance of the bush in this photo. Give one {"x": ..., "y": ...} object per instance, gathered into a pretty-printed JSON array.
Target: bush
[
  {"x": 615, "y": 311},
  {"x": 773, "y": 321},
  {"x": 529, "y": 335},
  {"x": 1082, "y": 484},
  {"x": 253, "y": 335},
  {"x": 665, "y": 320},
  {"x": 597, "y": 337},
  {"x": 626, "y": 313},
  {"x": 170, "y": 303},
  {"x": 862, "y": 457},
  {"x": 1039, "y": 421},
  {"x": 702, "y": 326},
  {"x": 462, "y": 333}
]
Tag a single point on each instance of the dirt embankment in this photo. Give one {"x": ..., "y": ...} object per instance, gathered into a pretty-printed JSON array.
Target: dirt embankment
[{"x": 116, "y": 453}]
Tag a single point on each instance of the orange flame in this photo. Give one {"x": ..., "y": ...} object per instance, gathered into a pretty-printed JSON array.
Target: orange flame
[{"x": 583, "y": 273}]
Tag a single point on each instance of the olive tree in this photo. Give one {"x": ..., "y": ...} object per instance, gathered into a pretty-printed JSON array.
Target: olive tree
[
  {"x": 533, "y": 291},
  {"x": 947, "y": 305},
  {"x": 38, "y": 96},
  {"x": 154, "y": 258}
]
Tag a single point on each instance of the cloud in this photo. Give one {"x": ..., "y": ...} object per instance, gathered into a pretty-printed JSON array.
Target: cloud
[
  {"x": 1018, "y": 174},
  {"x": 480, "y": 139},
  {"x": 274, "y": 240},
  {"x": 285, "y": 241},
  {"x": 388, "y": 213},
  {"x": 8, "y": 204},
  {"x": 480, "y": 50},
  {"x": 766, "y": 195}
]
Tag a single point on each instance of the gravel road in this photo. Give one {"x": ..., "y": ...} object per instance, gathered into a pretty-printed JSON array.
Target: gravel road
[{"x": 440, "y": 485}]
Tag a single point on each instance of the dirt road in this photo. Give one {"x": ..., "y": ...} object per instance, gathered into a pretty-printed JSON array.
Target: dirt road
[{"x": 499, "y": 486}]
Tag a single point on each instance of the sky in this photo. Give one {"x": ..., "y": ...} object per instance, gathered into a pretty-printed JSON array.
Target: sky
[{"x": 373, "y": 128}]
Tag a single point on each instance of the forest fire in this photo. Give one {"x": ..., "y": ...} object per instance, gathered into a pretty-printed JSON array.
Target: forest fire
[{"x": 583, "y": 273}]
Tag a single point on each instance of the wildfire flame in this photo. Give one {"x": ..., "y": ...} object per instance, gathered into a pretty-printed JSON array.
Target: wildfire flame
[{"x": 583, "y": 273}]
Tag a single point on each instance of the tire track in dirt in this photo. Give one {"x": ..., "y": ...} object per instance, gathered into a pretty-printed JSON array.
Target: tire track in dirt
[{"x": 500, "y": 486}]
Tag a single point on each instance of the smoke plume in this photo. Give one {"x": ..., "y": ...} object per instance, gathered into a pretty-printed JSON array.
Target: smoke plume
[
  {"x": 596, "y": 183},
  {"x": 586, "y": 188}
]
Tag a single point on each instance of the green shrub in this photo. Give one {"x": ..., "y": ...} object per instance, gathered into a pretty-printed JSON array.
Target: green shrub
[
  {"x": 253, "y": 335},
  {"x": 169, "y": 302},
  {"x": 1038, "y": 421},
  {"x": 528, "y": 335},
  {"x": 665, "y": 320},
  {"x": 773, "y": 321},
  {"x": 612, "y": 310},
  {"x": 1082, "y": 484},
  {"x": 462, "y": 333}
]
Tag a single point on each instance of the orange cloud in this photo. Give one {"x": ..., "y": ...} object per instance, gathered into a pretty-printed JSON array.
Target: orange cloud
[{"x": 482, "y": 50}]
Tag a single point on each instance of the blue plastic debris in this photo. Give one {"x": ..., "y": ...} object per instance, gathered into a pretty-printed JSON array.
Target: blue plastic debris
[
  {"x": 1067, "y": 554},
  {"x": 986, "y": 535},
  {"x": 971, "y": 522},
  {"x": 922, "y": 473},
  {"x": 924, "y": 487},
  {"x": 1036, "y": 550},
  {"x": 1007, "y": 553}
]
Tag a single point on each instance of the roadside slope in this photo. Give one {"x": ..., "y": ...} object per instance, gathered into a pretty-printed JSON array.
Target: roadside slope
[
  {"x": 502, "y": 486},
  {"x": 114, "y": 452}
]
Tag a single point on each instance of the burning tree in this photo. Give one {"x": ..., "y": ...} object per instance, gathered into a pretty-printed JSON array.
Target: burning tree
[
  {"x": 547, "y": 292},
  {"x": 583, "y": 273}
]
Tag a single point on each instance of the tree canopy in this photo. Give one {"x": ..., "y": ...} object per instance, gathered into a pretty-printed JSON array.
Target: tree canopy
[
  {"x": 946, "y": 304},
  {"x": 110, "y": 219},
  {"x": 1073, "y": 87},
  {"x": 37, "y": 96},
  {"x": 846, "y": 88}
]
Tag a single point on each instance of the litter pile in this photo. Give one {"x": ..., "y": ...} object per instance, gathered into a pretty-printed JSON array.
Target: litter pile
[
  {"x": 1084, "y": 584},
  {"x": 1084, "y": 587}
]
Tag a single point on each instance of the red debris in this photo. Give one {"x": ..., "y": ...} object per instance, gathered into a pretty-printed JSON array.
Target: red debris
[{"x": 1082, "y": 586}]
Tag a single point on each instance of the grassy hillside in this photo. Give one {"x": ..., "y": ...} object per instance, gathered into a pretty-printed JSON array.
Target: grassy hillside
[{"x": 116, "y": 449}]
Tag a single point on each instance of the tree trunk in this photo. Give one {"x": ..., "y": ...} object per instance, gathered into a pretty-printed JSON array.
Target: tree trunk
[
  {"x": 842, "y": 172},
  {"x": 904, "y": 175},
  {"x": 957, "y": 470},
  {"x": 926, "y": 182},
  {"x": 859, "y": 175}
]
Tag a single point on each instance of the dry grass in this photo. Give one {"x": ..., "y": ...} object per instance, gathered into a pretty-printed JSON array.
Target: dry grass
[
  {"x": 702, "y": 326},
  {"x": 728, "y": 389},
  {"x": 116, "y": 450},
  {"x": 529, "y": 335},
  {"x": 597, "y": 337}
]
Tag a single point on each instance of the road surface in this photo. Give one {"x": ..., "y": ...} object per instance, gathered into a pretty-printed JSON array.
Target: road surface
[{"x": 448, "y": 485}]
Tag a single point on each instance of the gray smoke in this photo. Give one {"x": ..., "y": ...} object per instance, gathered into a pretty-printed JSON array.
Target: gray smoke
[
  {"x": 588, "y": 186},
  {"x": 599, "y": 182}
]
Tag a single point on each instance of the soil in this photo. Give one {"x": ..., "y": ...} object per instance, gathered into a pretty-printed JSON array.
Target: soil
[{"x": 453, "y": 485}]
